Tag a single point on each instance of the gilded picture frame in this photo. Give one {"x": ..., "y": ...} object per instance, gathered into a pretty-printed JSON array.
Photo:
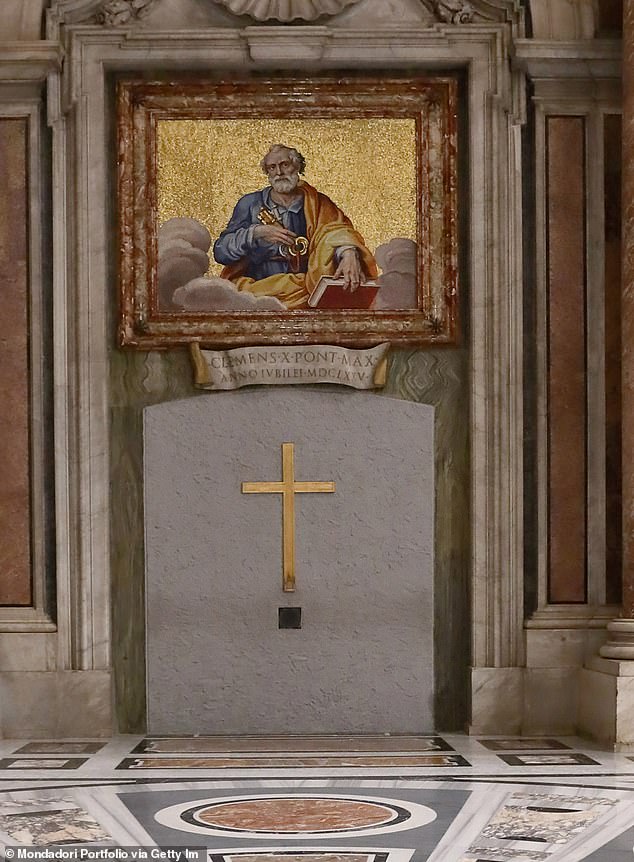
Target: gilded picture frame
[{"x": 200, "y": 168}]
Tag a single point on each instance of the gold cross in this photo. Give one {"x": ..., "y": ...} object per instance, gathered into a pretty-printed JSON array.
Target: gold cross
[{"x": 288, "y": 487}]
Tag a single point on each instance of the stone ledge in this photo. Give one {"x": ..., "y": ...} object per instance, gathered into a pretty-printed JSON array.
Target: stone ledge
[{"x": 610, "y": 666}]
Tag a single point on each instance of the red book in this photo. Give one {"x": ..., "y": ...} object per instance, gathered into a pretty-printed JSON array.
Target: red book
[{"x": 329, "y": 293}]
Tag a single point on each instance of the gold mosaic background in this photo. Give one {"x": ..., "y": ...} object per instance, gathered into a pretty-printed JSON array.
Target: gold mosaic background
[{"x": 367, "y": 167}]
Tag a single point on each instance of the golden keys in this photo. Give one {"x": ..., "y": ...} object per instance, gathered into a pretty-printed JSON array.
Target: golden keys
[
  {"x": 300, "y": 243},
  {"x": 266, "y": 217}
]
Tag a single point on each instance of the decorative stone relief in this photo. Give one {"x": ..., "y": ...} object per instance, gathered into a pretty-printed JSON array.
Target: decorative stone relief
[
  {"x": 476, "y": 11},
  {"x": 286, "y": 10},
  {"x": 454, "y": 11},
  {"x": 116, "y": 13}
]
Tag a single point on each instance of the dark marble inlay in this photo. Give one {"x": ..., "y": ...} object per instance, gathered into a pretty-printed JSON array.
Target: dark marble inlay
[
  {"x": 55, "y": 747},
  {"x": 517, "y": 744},
  {"x": 514, "y": 837}
]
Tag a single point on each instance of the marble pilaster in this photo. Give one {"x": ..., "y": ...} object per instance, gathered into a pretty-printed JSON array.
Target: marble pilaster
[
  {"x": 627, "y": 340},
  {"x": 620, "y": 644},
  {"x": 607, "y": 679}
]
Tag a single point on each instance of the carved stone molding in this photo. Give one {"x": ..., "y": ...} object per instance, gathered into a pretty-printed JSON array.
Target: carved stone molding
[{"x": 285, "y": 10}]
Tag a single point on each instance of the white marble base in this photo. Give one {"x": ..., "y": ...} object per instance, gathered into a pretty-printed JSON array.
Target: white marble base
[
  {"x": 58, "y": 705},
  {"x": 595, "y": 700},
  {"x": 496, "y": 700},
  {"x": 550, "y": 701},
  {"x": 606, "y": 703},
  {"x": 528, "y": 701}
]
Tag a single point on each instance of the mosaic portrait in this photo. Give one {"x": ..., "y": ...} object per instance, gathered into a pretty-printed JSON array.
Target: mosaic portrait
[{"x": 288, "y": 211}]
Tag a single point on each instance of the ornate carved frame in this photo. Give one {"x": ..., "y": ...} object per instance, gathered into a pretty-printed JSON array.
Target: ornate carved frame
[{"x": 431, "y": 101}]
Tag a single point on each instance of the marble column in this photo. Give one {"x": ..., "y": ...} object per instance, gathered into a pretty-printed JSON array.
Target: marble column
[{"x": 620, "y": 644}]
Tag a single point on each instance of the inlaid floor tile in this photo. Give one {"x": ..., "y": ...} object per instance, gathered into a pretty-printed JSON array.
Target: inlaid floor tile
[
  {"x": 289, "y": 744},
  {"x": 64, "y": 826},
  {"x": 298, "y": 762},
  {"x": 60, "y": 747},
  {"x": 341, "y": 817},
  {"x": 567, "y": 759},
  {"x": 517, "y": 744},
  {"x": 42, "y": 762}
]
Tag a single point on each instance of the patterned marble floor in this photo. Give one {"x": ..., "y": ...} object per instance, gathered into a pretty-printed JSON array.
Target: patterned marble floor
[{"x": 322, "y": 799}]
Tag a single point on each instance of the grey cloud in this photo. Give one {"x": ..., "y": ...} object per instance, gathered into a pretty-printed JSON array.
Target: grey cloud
[
  {"x": 188, "y": 229},
  {"x": 182, "y": 256},
  {"x": 398, "y": 260},
  {"x": 397, "y": 254},
  {"x": 218, "y": 294}
]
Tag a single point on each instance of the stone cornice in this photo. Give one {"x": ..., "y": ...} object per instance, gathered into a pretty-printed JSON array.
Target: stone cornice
[
  {"x": 28, "y": 61},
  {"x": 591, "y": 58}
]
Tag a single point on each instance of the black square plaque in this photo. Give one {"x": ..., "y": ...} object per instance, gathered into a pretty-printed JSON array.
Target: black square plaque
[{"x": 290, "y": 618}]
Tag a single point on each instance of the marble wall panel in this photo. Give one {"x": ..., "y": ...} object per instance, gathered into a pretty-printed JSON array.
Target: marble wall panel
[
  {"x": 612, "y": 186},
  {"x": 567, "y": 472},
  {"x": 15, "y": 547},
  {"x": 137, "y": 380},
  {"x": 441, "y": 378}
]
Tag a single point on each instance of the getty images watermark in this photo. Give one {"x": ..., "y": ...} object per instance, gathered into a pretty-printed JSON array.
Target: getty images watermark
[{"x": 107, "y": 854}]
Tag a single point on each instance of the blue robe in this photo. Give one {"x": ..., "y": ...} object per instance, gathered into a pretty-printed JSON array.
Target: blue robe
[{"x": 237, "y": 243}]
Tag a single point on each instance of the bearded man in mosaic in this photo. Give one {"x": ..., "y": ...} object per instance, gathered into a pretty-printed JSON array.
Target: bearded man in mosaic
[{"x": 282, "y": 239}]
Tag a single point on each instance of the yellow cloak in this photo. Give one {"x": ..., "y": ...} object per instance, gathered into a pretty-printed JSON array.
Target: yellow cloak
[{"x": 327, "y": 228}]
